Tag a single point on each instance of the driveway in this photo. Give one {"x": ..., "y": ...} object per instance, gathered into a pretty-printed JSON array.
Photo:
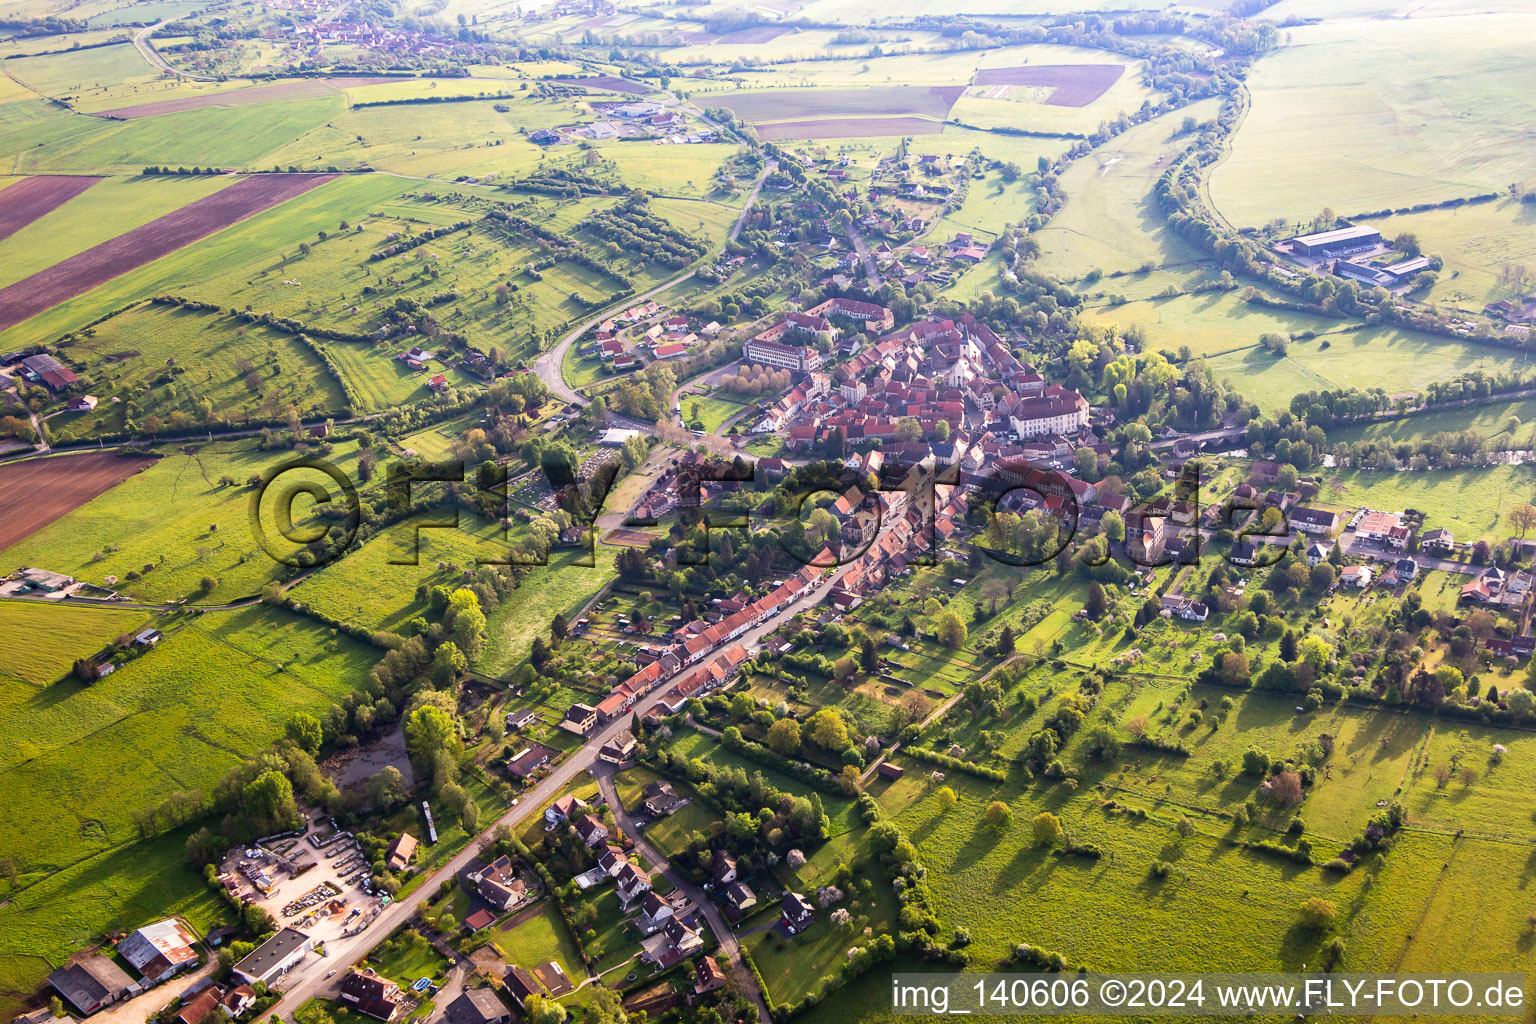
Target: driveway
[{"x": 730, "y": 949}]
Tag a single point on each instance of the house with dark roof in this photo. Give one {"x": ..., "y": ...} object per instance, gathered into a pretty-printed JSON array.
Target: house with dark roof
[
  {"x": 722, "y": 870},
  {"x": 529, "y": 760},
  {"x": 520, "y": 983},
  {"x": 368, "y": 993},
  {"x": 661, "y": 799},
  {"x": 591, "y": 830},
  {"x": 631, "y": 882},
  {"x": 796, "y": 913},
  {"x": 740, "y": 898},
  {"x": 477, "y": 1006},
  {"x": 495, "y": 882}
]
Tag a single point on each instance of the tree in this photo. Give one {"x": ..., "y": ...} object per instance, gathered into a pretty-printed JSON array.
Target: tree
[
  {"x": 1523, "y": 517},
  {"x": 1407, "y": 243},
  {"x": 447, "y": 664},
  {"x": 387, "y": 788},
  {"x": 784, "y": 736},
  {"x": 1318, "y": 914},
  {"x": 1005, "y": 641},
  {"x": 432, "y": 741},
  {"x": 948, "y": 797},
  {"x": 1096, "y": 603},
  {"x": 828, "y": 730},
  {"x": 465, "y": 622},
  {"x": 1048, "y": 829},
  {"x": 268, "y": 802},
  {"x": 999, "y": 815},
  {"x": 951, "y": 629},
  {"x": 304, "y": 729},
  {"x": 1113, "y": 526},
  {"x": 1285, "y": 789},
  {"x": 538, "y": 1010}
]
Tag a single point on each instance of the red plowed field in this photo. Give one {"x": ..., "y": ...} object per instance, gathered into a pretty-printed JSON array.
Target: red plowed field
[
  {"x": 84, "y": 271},
  {"x": 1077, "y": 85},
  {"x": 35, "y": 492},
  {"x": 306, "y": 89},
  {"x": 847, "y": 128},
  {"x": 605, "y": 83},
  {"x": 25, "y": 201}
]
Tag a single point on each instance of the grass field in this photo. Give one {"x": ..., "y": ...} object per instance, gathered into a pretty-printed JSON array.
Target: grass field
[
  {"x": 208, "y": 357},
  {"x": 563, "y": 586},
  {"x": 259, "y": 241},
  {"x": 1359, "y": 114},
  {"x": 1224, "y": 328},
  {"x": 116, "y": 890},
  {"x": 1487, "y": 420},
  {"x": 1477, "y": 242},
  {"x": 239, "y": 137},
  {"x": 1110, "y": 221},
  {"x": 1471, "y": 502},
  {"x": 107, "y": 209},
  {"x": 66, "y": 744},
  {"x": 539, "y": 937},
  {"x": 164, "y": 517},
  {"x": 41, "y": 642}
]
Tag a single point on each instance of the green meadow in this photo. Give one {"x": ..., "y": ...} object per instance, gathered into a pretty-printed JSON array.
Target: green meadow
[
  {"x": 66, "y": 743},
  {"x": 174, "y": 524},
  {"x": 1357, "y": 114}
]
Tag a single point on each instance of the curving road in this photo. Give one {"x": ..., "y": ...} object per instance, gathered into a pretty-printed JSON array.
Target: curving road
[
  {"x": 549, "y": 365},
  {"x": 147, "y": 50}
]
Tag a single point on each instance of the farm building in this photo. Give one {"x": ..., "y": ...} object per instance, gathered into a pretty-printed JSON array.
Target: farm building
[
  {"x": 1338, "y": 242},
  {"x": 43, "y": 581},
  {"x": 48, "y": 371},
  {"x": 1389, "y": 275},
  {"x": 157, "y": 951},
  {"x": 891, "y": 771},
  {"x": 92, "y": 983}
]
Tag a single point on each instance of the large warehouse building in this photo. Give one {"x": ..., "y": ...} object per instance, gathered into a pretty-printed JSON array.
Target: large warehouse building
[{"x": 1338, "y": 242}]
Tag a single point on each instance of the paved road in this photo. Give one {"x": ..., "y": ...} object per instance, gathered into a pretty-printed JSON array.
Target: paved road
[
  {"x": 870, "y": 269},
  {"x": 730, "y": 949},
  {"x": 307, "y": 980},
  {"x": 549, "y": 366},
  {"x": 144, "y": 46}
]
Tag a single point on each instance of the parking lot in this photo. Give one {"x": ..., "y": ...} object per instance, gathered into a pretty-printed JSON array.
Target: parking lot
[{"x": 316, "y": 881}]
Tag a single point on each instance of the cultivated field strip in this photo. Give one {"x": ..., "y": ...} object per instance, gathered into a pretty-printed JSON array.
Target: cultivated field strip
[
  {"x": 27, "y": 200},
  {"x": 84, "y": 271}
]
